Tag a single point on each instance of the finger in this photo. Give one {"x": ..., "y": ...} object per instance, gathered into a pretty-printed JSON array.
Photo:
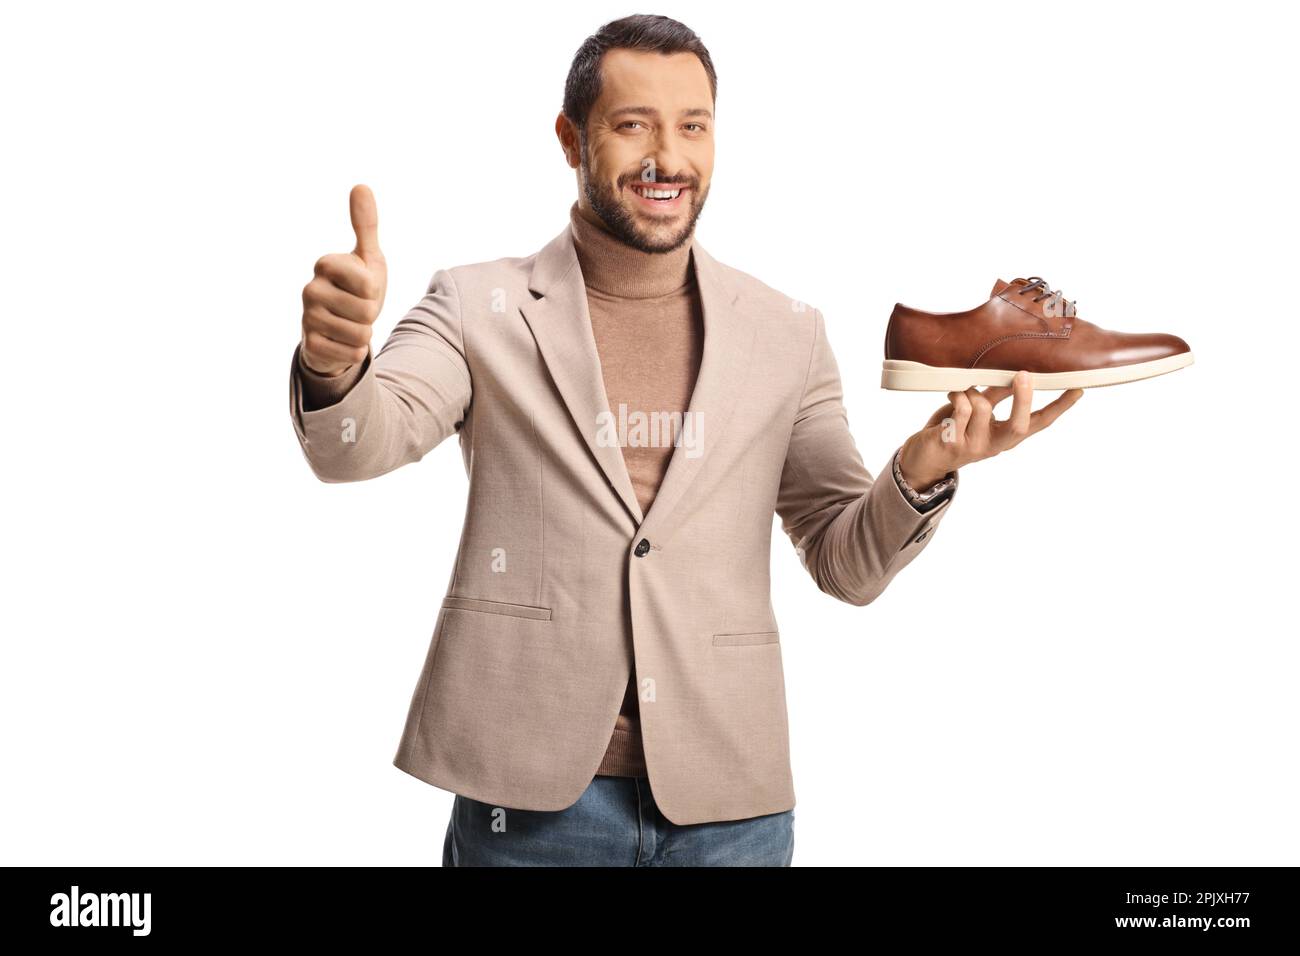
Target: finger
[
  {"x": 938, "y": 417},
  {"x": 327, "y": 349},
  {"x": 1021, "y": 405},
  {"x": 345, "y": 272},
  {"x": 336, "y": 328},
  {"x": 1053, "y": 410},
  {"x": 365, "y": 223},
  {"x": 979, "y": 399},
  {"x": 996, "y": 393},
  {"x": 343, "y": 303},
  {"x": 961, "y": 412},
  {"x": 981, "y": 414},
  {"x": 952, "y": 400}
]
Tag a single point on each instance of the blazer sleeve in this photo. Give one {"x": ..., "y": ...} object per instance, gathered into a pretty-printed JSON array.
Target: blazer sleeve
[
  {"x": 410, "y": 396},
  {"x": 852, "y": 532}
]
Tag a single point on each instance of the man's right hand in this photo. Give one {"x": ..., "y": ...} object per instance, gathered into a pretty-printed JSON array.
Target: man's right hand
[{"x": 340, "y": 304}]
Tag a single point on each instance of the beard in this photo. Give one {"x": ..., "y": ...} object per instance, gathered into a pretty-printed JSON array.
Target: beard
[{"x": 608, "y": 203}]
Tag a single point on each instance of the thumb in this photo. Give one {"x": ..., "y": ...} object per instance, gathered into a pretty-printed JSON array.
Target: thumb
[{"x": 365, "y": 223}]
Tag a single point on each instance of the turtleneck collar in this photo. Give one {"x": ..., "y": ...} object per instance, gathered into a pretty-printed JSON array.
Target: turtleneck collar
[{"x": 612, "y": 267}]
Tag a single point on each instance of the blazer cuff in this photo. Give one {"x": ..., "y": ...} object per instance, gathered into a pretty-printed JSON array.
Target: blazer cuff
[
  {"x": 901, "y": 524},
  {"x": 323, "y": 424},
  {"x": 321, "y": 391},
  {"x": 930, "y": 498}
]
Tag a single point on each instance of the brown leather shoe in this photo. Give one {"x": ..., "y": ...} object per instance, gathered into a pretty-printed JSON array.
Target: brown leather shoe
[{"x": 1023, "y": 325}]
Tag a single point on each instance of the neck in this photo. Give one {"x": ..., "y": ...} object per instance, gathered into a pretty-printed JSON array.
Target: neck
[{"x": 611, "y": 266}]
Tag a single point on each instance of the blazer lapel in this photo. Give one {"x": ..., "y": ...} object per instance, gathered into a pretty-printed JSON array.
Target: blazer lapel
[
  {"x": 728, "y": 342},
  {"x": 561, "y": 323}
]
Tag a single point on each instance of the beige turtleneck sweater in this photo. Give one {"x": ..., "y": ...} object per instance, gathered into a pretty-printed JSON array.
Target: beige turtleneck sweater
[{"x": 648, "y": 325}]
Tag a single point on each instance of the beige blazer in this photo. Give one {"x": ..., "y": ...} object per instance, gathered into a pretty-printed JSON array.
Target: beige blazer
[{"x": 562, "y": 586}]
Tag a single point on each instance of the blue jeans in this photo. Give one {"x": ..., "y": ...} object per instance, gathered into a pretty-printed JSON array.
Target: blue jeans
[{"x": 614, "y": 823}]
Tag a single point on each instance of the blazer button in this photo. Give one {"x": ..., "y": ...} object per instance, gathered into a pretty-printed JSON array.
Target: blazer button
[{"x": 642, "y": 547}]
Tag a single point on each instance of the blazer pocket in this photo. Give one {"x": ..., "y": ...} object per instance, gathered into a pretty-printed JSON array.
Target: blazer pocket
[
  {"x": 498, "y": 607},
  {"x": 752, "y": 637}
]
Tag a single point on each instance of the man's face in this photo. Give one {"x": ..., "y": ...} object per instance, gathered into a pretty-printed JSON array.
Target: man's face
[{"x": 651, "y": 128}]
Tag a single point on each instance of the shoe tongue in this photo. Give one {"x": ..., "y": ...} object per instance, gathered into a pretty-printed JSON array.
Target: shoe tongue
[{"x": 1002, "y": 285}]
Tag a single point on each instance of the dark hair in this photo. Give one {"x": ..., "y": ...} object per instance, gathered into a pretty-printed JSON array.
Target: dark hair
[{"x": 647, "y": 32}]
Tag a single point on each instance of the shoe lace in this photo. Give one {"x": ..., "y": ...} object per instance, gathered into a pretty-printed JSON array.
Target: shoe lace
[{"x": 1045, "y": 292}]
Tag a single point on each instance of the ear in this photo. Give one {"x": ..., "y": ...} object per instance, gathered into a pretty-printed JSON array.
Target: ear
[{"x": 567, "y": 134}]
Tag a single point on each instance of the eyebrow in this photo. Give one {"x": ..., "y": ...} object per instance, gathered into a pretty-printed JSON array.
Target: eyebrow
[{"x": 651, "y": 111}]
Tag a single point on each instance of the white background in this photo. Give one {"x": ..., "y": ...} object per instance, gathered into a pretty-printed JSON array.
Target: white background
[{"x": 208, "y": 655}]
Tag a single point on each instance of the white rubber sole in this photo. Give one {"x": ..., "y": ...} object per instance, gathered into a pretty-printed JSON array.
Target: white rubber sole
[{"x": 915, "y": 377}]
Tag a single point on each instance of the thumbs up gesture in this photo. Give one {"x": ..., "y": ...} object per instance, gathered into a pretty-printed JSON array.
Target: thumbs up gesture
[{"x": 340, "y": 304}]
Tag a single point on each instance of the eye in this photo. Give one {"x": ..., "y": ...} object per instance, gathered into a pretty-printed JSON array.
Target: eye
[
  {"x": 699, "y": 126},
  {"x": 629, "y": 122}
]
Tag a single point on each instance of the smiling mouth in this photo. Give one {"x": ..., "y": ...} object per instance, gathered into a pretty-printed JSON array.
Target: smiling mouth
[{"x": 656, "y": 195}]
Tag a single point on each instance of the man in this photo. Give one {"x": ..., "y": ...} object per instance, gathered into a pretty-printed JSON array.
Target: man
[{"x": 604, "y": 683}]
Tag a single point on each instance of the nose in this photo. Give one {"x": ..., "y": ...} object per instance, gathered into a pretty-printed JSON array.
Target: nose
[{"x": 667, "y": 156}]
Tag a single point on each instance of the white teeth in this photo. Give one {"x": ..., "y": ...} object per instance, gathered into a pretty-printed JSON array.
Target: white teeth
[{"x": 657, "y": 193}]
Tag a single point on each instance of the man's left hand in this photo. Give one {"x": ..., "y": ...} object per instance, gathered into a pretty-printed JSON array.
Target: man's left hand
[{"x": 965, "y": 430}]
